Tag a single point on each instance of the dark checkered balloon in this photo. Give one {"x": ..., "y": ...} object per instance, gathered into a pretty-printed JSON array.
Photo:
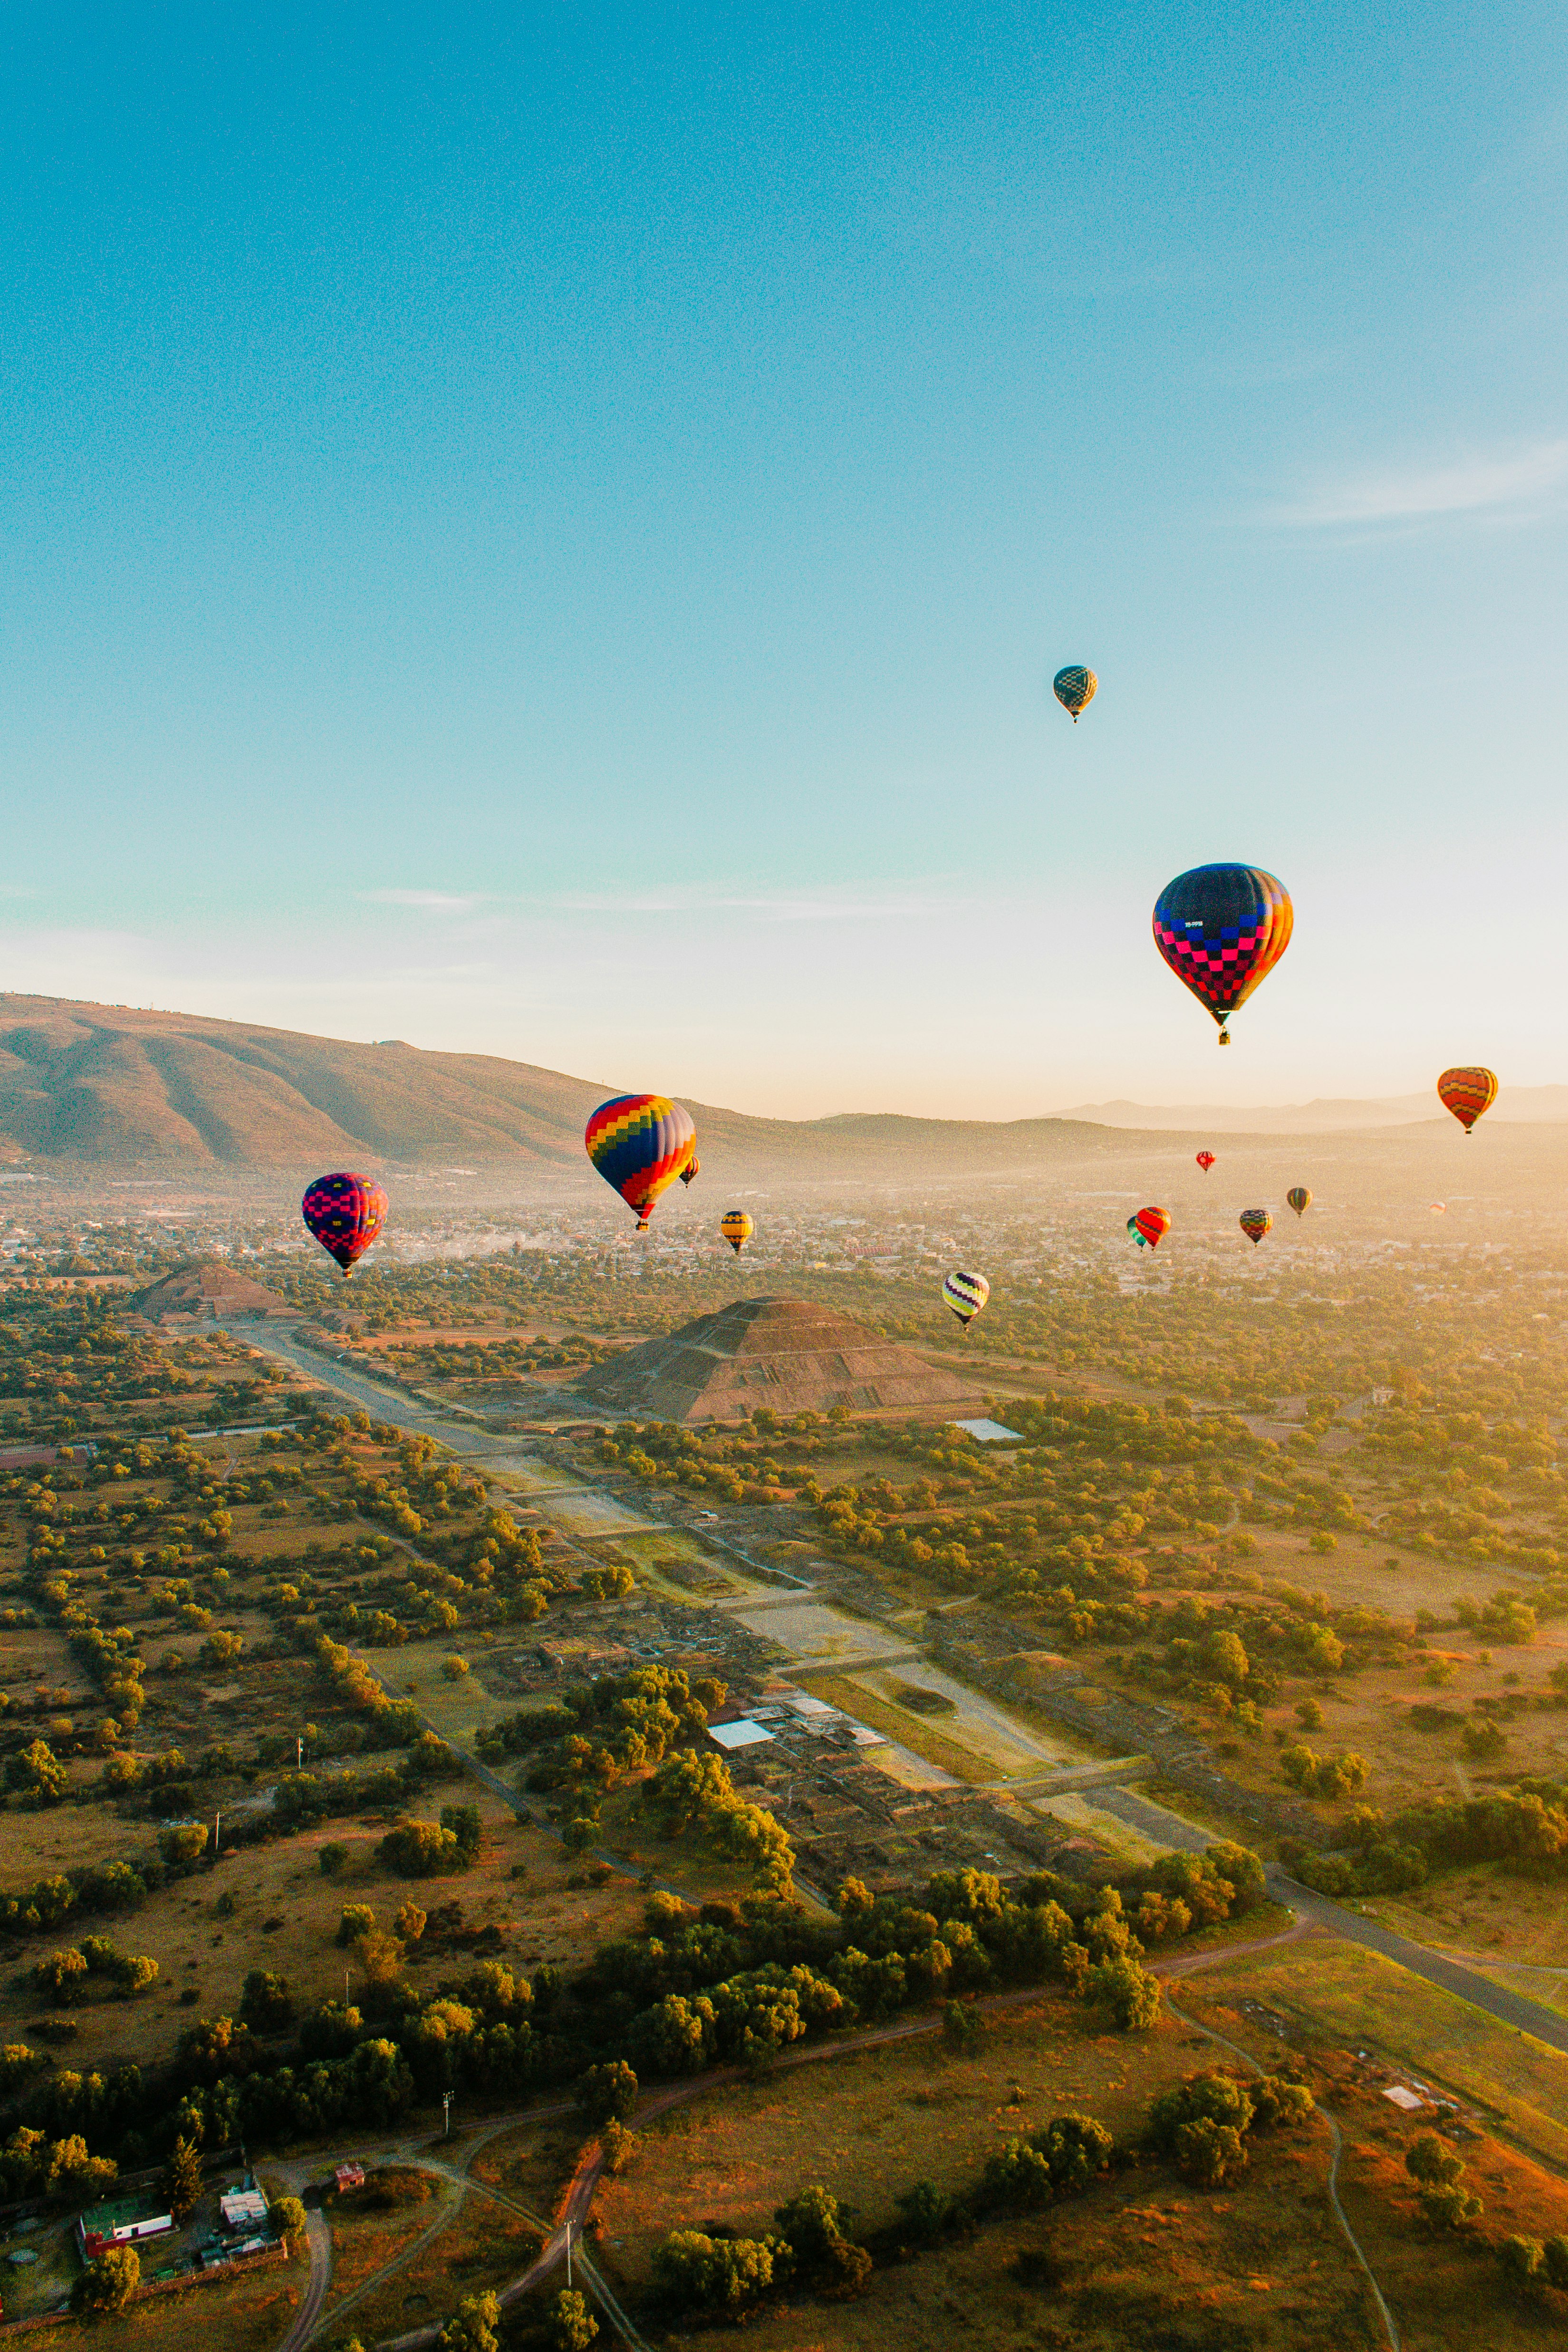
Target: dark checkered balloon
[{"x": 345, "y": 1213}]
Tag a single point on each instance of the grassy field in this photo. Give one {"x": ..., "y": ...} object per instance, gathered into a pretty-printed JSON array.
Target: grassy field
[
  {"x": 1341, "y": 1993},
  {"x": 245, "y": 2314},
  {"x": 484, "y": 2245},
  {"x": 1265, "y": 2259}
]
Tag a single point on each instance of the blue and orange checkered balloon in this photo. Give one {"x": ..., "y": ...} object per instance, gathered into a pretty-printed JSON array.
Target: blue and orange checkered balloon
[
  {"x": 1222, "y": 929},
  {"x": 640, "y": 1144}
]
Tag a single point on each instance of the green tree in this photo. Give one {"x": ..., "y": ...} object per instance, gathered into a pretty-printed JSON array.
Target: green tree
[
  {"x": 924, "y": 2213},
  {"x": 183, "y": 2179},
  {"x": 267, "y": 2003},
  {"x": 287, "y": 2215},
  {"x": 357, "y": 1919},
  {"x": 1210, "y": 2153},
  {"x": 471, "y": 2327},
  {"x": 606, "y": 2093},
  {"x": 109, "y": 2282},
  {"x": 572, "y": 2326},
  {"x": 333, "y": 1858},
  {"x": 418, "y": 1848}
]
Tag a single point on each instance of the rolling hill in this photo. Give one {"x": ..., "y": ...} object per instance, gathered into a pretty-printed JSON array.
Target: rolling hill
[{"x": 110, "y": 1084}]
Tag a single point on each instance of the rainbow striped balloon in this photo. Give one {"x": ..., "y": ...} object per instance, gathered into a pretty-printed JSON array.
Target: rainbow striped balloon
[
  {"x": 1298, "y": 1199},
  {"x": 1467, "y": 1092},
  {"x": 966, "y": 1294},
  {"x": 1150, "y": 1225},
  {"x": 1255, "y": 1223},
  {"x": 640, "y": 1144},
  {"x": 736, "y": 1228}
]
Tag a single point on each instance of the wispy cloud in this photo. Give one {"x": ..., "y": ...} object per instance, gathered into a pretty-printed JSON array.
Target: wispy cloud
[
  {"x": 1485, "y": 482},
  {"x": 429, "y": 902},
  {"x": 777, "y": 907}
]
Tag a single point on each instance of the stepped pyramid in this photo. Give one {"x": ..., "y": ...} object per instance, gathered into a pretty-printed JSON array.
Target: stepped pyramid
[
  {"x": 204, "y": 1290},
  {"x": 777, "y": 1352}
]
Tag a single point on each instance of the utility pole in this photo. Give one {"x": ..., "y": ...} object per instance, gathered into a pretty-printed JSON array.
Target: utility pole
[
  {"x": 299, "y": 1749},
  {"x": 446, "y": 2112},
  {"x": 569, "y": 2258},
  {"x": 218, "y": 1827}
]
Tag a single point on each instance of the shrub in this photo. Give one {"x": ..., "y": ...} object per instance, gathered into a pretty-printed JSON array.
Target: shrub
[
  {"x": 454, "y": 1669},
  {"x": 813, "y": 2227},
  {"x": 607, "y": 2092},
  {"x": 471, "y": 2327},
  {"x": 109, "y": 2282},
  {"x": 1210, "y": 2153},
  {"x": 357, "y": 1919},
  {"x": 572, "y": 2326},
  {"x": 729, "y": 2275},
  {"x": 267, "y": 2003},
  {"x": 418, "y": 1848},
  {"x": 924, "y": 2213},
  {"x": 333, "y": 1858}
]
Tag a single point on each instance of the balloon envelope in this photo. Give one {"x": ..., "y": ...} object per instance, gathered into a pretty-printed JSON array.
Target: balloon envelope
[
  {"x": 345, "y": 1213},
  {"x": 736, "y": 1228},
  {"x": 1222, "y": 929},
  {"x": 1075, "y": 688},
  {"x": 1151, "y": 1225},
  {"x": 1298, "y": 1199},
  {"x": 1205, "y": 1161},
  {"x": 966, "y": 1294},
  {"x": 694, "y": 1167},
  {"x": 640, "y": 1144},
  {"x": 1467, "y": 1092},
  {"x": 1255, "y": 1223}
]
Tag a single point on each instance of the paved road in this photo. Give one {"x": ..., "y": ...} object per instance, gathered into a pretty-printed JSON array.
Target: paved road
[{"x": 1515, "y": 2009}]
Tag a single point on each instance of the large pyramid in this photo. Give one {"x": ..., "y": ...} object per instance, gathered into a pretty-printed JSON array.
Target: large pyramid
[
  {"x": 206, "y": 1291},
  {"x": 777, "y": 1352}
]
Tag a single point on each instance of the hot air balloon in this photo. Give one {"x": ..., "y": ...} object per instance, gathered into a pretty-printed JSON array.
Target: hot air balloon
[
  {"x": 1439, "y": 1208},
  {"x": 693, "y": 1167},
  {"x": 1075, "y": 688},
  {"x": 1467, "y": 1092},
  {"x": 736, "y": 1228},
  {"x": 640, "y": 1144},
  {"x": 966, "y": 1294},
  {"x": 345, "y": 1213},
  {"x": 1205, "y": 1161},
  {"x": 1298, "y": 1199},
  {"x": 1132, "y": 1233},
  {"x": 1222, "y": 929},
  {"x": 1255, "y": 1223},
  {"x": 1150, "y": 1225}
]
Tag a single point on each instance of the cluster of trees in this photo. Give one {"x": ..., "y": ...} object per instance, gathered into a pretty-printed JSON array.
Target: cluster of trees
[
  {"x": 1439, "y": 2177},
  {"x": 416, "y": 1849},
  {"x": 730, "y": 2277},
  {"x": 1203, "y": 2124},
  {"x": 66, "y": 1976},
  {"x": 1525, "y": 1828},
  {"x": 600, "y": 1734},
  {"x": 1329, "y": 1777}
]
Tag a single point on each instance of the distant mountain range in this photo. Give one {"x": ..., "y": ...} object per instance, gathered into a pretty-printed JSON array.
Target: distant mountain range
[
  {"x": 1529, "y": 1106},
  {"x": 110, "y": 1085}
]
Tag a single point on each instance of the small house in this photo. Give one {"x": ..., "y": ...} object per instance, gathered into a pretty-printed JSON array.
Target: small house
[
  {"x": 350, "y": 2176},
  {"x": 124, "y": 2223}
]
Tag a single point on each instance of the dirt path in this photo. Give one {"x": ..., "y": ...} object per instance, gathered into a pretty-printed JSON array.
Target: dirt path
[{"x": 1336, "y": 2142}]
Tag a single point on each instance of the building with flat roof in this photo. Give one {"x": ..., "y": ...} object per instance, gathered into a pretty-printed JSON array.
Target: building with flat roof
[{"x": 123, "y": 2223}]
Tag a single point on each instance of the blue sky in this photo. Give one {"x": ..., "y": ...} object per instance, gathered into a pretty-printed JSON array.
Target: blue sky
[{"x": 548, "y": 532}]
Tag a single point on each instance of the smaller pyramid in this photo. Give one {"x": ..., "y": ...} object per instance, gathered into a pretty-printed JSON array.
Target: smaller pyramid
[
  {"x": 777, "y": 1352},
  {"x": 204, "y": 1290}
]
